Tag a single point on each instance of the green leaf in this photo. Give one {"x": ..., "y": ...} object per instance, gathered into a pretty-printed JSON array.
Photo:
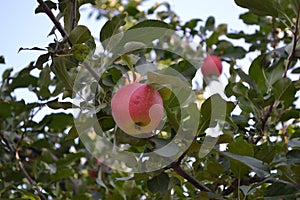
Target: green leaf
[
  {"x": 5, "y": 109},
  {"x": 159, "y": 184},
  {"x": 296, "y": 70},
  {"x": 66, "y": 9},
  {"x": 59, "y": 67},
  {"x": 295, "y": 142},
  {"x": 106, "y": 123},
  {"x": 145, "y": 32},
  {"x": 28, "y": 195},
  {"x": 80, "y": 34},
  {"x": 281, "y": 191},
  {"x": 41, "y": 60},
  {"x": 23, "y": 81},
  {"x": 290, "y": 114},
  {"x": 110, "y": 28},
  {"x": 256, "y": 165},
  {"x": 58, "y": 121},
  {"x": 210, "y": 23},
  {"x": 61, "y": 174},
  {"x": 82, "y": 2},
  {"x": 284, "y": 90},
  {"x": 226, "y": 49},
  {"x": 250, "y": 18},
  {"x": 80, "y": 51},
  {"x": 151, "y": 23},
  {"x": 208, "y": 110},
  {"x": 293, "y": 157},
  {"x": 275, "y": 73},
  {"x": 55, "y": 104},
  {"x": 44, "y": 78},
  {"x": 264, "y": 152},
  {"x": 69, "y": 159},
  {"x": 2, "y": 60},
  {"x": 256, "y": 72},
  {"x": 213, "y": 39},
  {"x": 246, "y": 78},
  {"x": 185, "y": 68},
  {"x": 240, "y": 147},
  {"x": 31, "y": 49},
  {"x": 266, "y": 7},
  {"x": 50, "y": 5},
  {"x": 72, "y": 134},
  {"x": 192, "y": 23},
  {"x": 6, "y": 74}
]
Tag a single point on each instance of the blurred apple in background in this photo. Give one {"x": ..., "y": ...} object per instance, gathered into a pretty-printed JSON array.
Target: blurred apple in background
[{"x": 212, "y": 66}]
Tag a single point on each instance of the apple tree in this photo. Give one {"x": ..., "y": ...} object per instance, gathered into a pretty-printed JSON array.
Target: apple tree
[{"x": 231, "y": 132}]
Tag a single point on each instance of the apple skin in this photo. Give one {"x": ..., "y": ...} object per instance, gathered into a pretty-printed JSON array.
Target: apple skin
[
  {"x": 212, "y": 66},
  {"x": 137, "y": 109}
]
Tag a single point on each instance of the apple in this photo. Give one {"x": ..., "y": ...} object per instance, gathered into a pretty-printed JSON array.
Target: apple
[
  {"x": 137, "y": 109},
  {"x": 212, "y": 66}
]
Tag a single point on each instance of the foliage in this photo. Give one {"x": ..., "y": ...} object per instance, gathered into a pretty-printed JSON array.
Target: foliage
[{"x": 44, "y": 158}]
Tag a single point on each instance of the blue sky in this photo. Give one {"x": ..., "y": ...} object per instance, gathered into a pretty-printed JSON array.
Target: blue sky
[{"x": 20, "y": 27}]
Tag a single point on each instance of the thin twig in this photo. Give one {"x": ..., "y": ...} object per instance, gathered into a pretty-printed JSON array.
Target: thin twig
[
  {"x": 15, "y": 153},
  {"x": 28, "y": 177},
  {"x": 231, "y": 188},
  {"x": 74, "y": 8},
  {"x": 6, "y": 143},
  {"x": 23, "y": 170},
  {"x": 267, "y": 116},
  {"x": 292, "y": 54},
  {"x": 285, "y": 137}
]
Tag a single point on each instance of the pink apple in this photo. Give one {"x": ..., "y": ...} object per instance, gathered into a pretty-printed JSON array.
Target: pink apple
[
  {"x": 212, "y": 66},
  {"x": 137, "y": 109}
]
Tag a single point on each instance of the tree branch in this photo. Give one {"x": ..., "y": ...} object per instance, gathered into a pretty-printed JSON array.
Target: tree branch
[
  {"x": 176, "y": 167},
  {"x": 92, "y": 71},
  {"x": 53, "y": 18}
]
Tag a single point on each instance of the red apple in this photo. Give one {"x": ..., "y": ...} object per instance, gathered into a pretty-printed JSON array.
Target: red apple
[
  {"x": 137, "y": 109},
  {"x": 212, "y": 66}
]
